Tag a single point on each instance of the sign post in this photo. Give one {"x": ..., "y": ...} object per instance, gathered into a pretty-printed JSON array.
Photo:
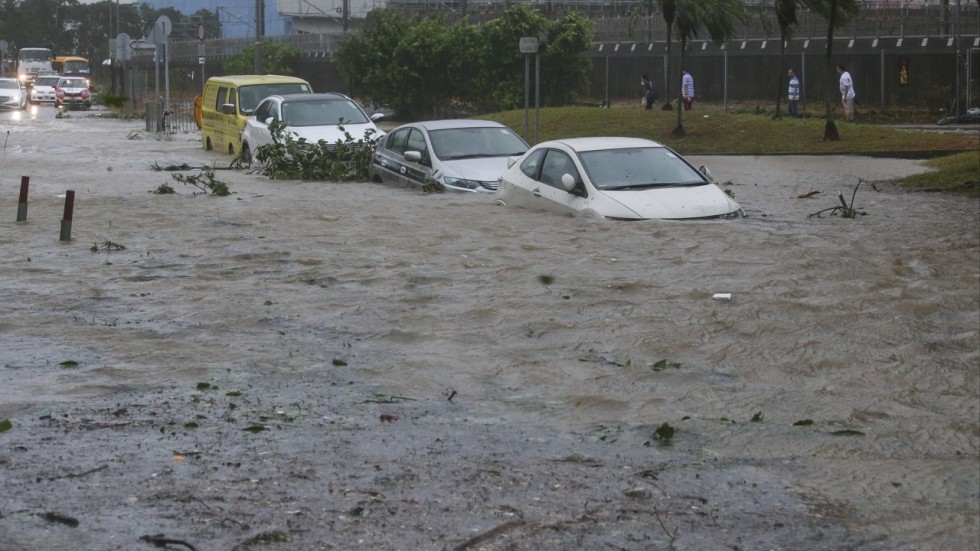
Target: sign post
[{"x": 201, "y": 55}]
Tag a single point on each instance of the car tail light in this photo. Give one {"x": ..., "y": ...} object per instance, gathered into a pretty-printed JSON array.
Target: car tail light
[
  {"x": 59, "y": 93},
  {"x": 86, "y": 94}
]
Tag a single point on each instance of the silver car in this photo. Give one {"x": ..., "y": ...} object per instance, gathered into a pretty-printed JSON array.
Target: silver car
[
  {"x": 12, "y": 94},
  {"x": 42, "y": 91},
  {"x": 460, "y": 155},
  {"x": 617, "y": 178}
]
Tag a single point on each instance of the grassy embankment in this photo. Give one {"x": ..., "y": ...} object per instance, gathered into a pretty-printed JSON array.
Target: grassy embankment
[{"x": 711, "y": 131}]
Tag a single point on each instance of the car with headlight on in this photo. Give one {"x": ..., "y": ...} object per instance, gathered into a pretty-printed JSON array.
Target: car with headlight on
[
  {"x": 329, "y": 117},
  {"x": 72, "y": 92},
  {"x": 42, "y": 91},
  {"x": 459, "y": 155},
  {"x": 12, "y": 94},
  {"x": 610, "y": 177}
]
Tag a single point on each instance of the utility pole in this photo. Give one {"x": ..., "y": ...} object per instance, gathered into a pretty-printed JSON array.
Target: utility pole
[{"x": 259, "y": 30}]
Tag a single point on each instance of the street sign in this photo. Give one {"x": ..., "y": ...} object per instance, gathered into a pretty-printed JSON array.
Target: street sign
[
  {"x": 529, "y": 45},
  {"x": 200, "y": 60}
]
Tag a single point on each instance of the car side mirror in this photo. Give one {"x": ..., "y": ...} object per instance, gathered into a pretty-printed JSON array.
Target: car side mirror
[
  {"x": 568, "y": 182},
  {"x": 512, "y": 159},
  {"x": 377, "y": 117},
  {"x": 413, "y": 156},
  {"x": 228, "y": 109},
  {"x": 707, "y": 173},
  {"x": 269, "y": 121}
]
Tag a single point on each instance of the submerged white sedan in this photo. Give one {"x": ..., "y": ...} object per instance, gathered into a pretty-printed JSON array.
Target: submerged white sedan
[
  {"x": 328, "y": 117},
  {"x": 618, "y": 178}
]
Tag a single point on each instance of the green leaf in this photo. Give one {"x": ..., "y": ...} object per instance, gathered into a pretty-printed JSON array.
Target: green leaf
[
  {"x": 803, "y": 423},
  {"x": 255, "y": 428},
  {"x": 546, "y": 279},
  {"x": 5, "y": 425},
  {"x": 757, "y": 418},
  {"x": 233, "y": 393},
  {"x": 203, "y": 386},
  {"x": 68, "y": 363},
  {"x": 339, "y": 362},
  {"x": 665, "y": 433},
  {"x": 847, "y": 432}
]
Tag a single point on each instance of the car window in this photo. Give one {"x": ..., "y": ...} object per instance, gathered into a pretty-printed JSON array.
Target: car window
[
  {"x": 416, "y": 142},
  {"x": 397, "y": 141},
  {"x": 219, "y": 100},
  {"x": 556, "y": 164},
  {"x": 638, "y": 167},
  {"x": 462, "y": 143},
  {"x": 265, "y": 110},
  {"x": 532, "y": 164}
]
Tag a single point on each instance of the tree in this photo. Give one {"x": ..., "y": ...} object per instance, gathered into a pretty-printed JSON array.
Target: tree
[
  {"x": 786, "y": 17},
  {"x": 669, "y": 9},
  {"x": 277, "y": 59},
  {"x": 837, "y": 13},
  {"x": 718, "y": 17}
]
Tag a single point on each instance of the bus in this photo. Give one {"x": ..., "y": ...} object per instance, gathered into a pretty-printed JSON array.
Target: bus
[
  {"x": 72, "y": 66},
  {"x": 30, "y": 62}
]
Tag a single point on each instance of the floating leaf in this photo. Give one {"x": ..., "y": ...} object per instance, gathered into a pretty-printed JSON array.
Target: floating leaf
[
  {"x": 233, "y": 393},
  {"x": 803, "y": 423},
  {"x": 546, "y": 279},
  {"x": 68, "y": 363},
  {"x": 664, "y": 364},
  {"x": 254, "y": 428},
  {"x": 338, "y": 362},
  {"x": 757, "y": 418},
  {"x": 5, "y": 425},
  {"x": 191, "y": 425},
  {"x": 203, "y": 386},
  {"x": 664, "y": 433}
]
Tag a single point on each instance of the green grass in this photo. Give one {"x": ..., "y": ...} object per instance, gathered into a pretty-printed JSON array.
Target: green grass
[
  {"x": 958, "y": 173},
  {"x": 709, "y": 130}
]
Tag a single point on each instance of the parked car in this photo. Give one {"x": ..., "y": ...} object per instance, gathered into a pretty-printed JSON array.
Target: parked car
[
  {"x": 73, "y": 92},
  {"x": 12, "y": 94},
  {"x": 310, "y": 117},
  {"x": 619, "y": 178},
  {"x": 42, "y": 91},
  {"x": 461, "y": 155}
]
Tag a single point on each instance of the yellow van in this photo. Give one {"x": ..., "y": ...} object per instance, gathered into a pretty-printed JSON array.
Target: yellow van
[{"x": 229, "y": 100}]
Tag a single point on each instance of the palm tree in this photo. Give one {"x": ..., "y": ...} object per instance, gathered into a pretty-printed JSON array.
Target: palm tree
[
  {"x": 837, "y": 13},
  {"x": 786, "y": 17},
  {"x": 718, "y": 17}
]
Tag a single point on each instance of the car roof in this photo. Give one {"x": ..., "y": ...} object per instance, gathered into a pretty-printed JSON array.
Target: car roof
[
  {"x": 457, "y": 123},
  {"x": 603, "y": 142},
  {"x": 310, "y": 97}
]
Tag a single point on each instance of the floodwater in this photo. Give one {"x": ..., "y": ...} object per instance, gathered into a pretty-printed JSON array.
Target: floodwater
[{"x": 847, "y": 362}]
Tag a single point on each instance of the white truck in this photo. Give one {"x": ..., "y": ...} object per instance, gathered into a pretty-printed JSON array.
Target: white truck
[{"x": 31, "y": 62}]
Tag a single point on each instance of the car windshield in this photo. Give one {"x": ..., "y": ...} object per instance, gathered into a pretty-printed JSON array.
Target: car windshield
[
  {"x": 637, "y": 168},
  {"x": 73, "y": 83},
  {"x": 469, "y": 143},
  {"x": 326, "y": 112},
  {"x": 9, "y": 84},
  {"x": 250, "y": 96},
  {"x": 46, "y": 81}
]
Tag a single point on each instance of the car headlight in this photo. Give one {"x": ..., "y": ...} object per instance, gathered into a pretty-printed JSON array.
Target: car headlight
[{"x": 460, "y": 182}]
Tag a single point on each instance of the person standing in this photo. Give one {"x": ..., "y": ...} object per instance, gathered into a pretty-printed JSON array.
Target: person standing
[
  {"x": 687, "y": 89},
  {"x": 793, "y": 95},
  {"x": 649, "y": 93},
  {"x": 847, "y": 94}
]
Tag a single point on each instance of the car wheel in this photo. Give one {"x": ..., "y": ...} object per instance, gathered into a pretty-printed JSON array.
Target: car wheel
[
  {"x": 207, "y": 145},
  {"x": 246, "y": 153}
]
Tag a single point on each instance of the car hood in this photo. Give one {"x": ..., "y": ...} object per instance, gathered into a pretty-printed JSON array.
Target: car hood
[
  {"x": 484, "y": 169},
  {"x": 331, "y": 134},
  {"x": 672, "y": 203}
]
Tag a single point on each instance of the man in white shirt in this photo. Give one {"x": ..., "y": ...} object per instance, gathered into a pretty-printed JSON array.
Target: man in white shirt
[
  {"x": 687, "y": 89},
  {"x": 846, "y": 92}
]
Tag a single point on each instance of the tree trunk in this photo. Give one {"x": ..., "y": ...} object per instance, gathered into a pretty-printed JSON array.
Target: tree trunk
[
  {"x": 830, "y": 129},
  {"x": 782, "y": 61}
]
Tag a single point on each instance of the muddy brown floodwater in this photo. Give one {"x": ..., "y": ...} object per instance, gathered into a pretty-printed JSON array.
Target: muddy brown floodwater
[{"x": 310, "y": 365}]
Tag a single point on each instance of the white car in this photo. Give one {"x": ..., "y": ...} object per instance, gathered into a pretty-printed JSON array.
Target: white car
[
  {"x": 461, "y": 155},
  {"x": 618, "y": 178},
  {"x": 310, "y": 117},
  {"x": 12, "y": 94},
  {"x": 42, "y": 91}
]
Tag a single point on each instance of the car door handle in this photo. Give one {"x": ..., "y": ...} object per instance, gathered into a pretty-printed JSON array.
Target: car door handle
[{"x": 536, "y": 192}]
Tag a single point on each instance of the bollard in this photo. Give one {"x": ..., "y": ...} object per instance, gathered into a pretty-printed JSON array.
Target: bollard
[
  {"x": 22, "y": 203},
  {"x": 66, "y": 221}
]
